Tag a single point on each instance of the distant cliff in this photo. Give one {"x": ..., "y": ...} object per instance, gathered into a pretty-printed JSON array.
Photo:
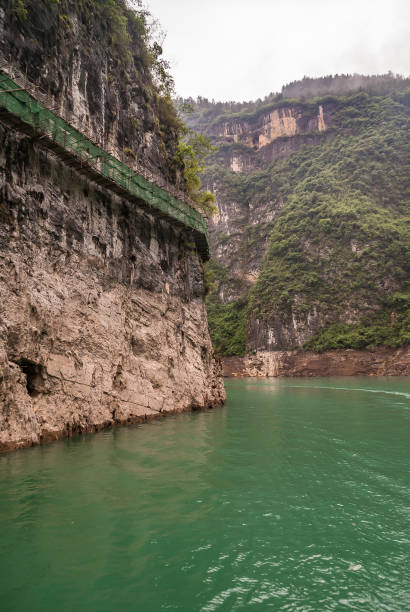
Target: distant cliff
[
  {"x": 102, "y": 313},
  {"x": 310, "y": 248}
]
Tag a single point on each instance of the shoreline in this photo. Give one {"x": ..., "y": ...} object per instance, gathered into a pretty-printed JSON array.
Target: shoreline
[
  {"x": 380, "y": 361},
  {"x": 48, "y": 436}
]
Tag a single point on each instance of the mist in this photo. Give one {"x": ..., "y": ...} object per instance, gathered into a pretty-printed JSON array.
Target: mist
[{"x": 242, "y": 51}]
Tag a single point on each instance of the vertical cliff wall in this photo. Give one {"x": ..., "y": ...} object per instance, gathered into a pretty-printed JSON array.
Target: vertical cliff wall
[
  {"x": 99, "y": 68},
  {"x": 102, "y": 316}
]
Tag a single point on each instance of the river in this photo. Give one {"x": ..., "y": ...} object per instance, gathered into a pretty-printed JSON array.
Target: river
[{"x": 294, "y": 496}]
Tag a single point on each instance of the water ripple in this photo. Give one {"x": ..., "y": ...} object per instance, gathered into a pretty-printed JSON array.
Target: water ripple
[{"x": 283, "y": 500}]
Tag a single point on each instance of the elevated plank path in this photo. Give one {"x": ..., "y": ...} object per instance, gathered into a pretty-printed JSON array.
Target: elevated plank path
[{"x": 20, "y": 110}]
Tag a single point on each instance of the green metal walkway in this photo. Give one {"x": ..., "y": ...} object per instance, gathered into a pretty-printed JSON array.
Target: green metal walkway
[{"x": 20, "y": 110}]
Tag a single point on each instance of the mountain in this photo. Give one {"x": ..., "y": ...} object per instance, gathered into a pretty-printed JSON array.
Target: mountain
[{"x": 311, "y": 244}]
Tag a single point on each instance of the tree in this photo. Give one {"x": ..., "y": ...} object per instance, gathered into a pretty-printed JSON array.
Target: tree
[{"x": 192, "y": 151}]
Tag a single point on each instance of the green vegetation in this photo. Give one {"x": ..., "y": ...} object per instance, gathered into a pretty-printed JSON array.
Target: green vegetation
[
  {"x": 126, "y": 34},
  {"x": 192, "y": 151},
  {"x": 343, "y": 238},
  {"x": 342, "y": 84},
  {"x": 389, "y": 328},
  {"x": 18, "y": 8},
  {"x": 227, "y": 321},
  {"x": 340, "y": 247},
  {"x": 124, "y": 41},
  {"x": 129, "y": 152},
  {"x": 206, "y": 113},
  {"x": 227, "y": 326}
]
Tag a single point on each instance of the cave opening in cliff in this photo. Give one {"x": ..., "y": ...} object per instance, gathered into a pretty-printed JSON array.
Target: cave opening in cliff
[{"x": 34, "y": 376}]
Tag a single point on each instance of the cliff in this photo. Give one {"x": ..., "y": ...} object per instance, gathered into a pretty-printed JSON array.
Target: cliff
[
  {"x": 310, "y": 244},
  {"x": 379, "y": 361},
  {"x": 102, "y": 308},
  {"x": 99, "y": 68}
]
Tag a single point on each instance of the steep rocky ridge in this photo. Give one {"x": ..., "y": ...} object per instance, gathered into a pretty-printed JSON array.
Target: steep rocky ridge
[
  {"x": 265, "y": 127},
  {"x": 95, "y": 62},
  {"x": 102, "y": 314},
  {"x": 310, "y": 244},
  {"x": 267, "y": 133}
]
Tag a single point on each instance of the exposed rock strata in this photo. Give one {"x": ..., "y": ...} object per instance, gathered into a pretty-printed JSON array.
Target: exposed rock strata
[
  {"x": 102, "y": 316},
  {"x": 377, "y": 362},
  {"x": 70, "y": 52},
  {"x": 253, "y": 144},
  {"x": 271, "y": 125}
]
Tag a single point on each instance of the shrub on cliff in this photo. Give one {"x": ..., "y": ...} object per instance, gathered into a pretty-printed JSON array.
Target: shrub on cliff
[{"x": 192, "y": 151}]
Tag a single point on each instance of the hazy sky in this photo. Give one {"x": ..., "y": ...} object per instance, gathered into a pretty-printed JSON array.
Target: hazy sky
[{"x": 244, "y": 49}]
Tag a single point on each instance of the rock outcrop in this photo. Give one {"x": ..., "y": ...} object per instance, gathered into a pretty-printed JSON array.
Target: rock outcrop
[
  {"x": 266, "y": 127},
  {"x": 102, "y": 314},
  {"x": 102, "y": 307},
  {"x": 92, "y": 60},
  {"x": 377, "y": 362}
]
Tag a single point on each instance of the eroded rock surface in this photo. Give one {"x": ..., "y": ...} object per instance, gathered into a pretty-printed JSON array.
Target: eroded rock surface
[
  {"x": 102, "y": 316},
  {"x": 377, "y": 362}
]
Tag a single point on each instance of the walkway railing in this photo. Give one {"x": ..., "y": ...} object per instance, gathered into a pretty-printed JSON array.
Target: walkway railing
[{"x": 27, "y": 108}]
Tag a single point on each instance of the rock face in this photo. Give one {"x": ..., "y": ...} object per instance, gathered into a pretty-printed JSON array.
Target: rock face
[
  {"x": 102, "y": 307},
  {"x": 266, "y": 127},
  {"x": 102, "y": 314},
  {"x": 91, "y": 60},
  {"x": 377, "y": 362},
  {"x": 240, "y": 230}
]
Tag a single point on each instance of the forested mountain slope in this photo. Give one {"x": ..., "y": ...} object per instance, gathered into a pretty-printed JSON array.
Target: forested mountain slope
[{"x": 311, "y": 245}]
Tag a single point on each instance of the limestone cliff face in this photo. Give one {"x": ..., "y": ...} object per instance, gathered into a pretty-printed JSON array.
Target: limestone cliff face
[
  {"x": 247, "y": 145},
  {"x": 377, "y": 362},
  {"x": 102, "y": 316},
  {"x": 272, "y": 134},
  {"x": 100, "y": 83},
  {"x": 267, "y": 127},
  {"x": 232, "y": 249}
]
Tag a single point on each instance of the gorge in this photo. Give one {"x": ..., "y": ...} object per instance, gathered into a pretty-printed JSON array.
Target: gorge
[
  {"x": 103, "y": 317},
  {"x": 240, "y": 268},
  {"x": 310, "y": 246}
]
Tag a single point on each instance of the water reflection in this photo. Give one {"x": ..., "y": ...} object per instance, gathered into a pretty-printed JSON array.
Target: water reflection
[{"x": 267, "y": 501}]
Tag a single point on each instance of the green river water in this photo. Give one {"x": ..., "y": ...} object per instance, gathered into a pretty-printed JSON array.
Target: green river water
[{"x": 294, "y": 496}]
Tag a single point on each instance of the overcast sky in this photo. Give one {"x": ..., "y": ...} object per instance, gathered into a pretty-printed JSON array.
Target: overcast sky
[{"x": 244, "y": 49}]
